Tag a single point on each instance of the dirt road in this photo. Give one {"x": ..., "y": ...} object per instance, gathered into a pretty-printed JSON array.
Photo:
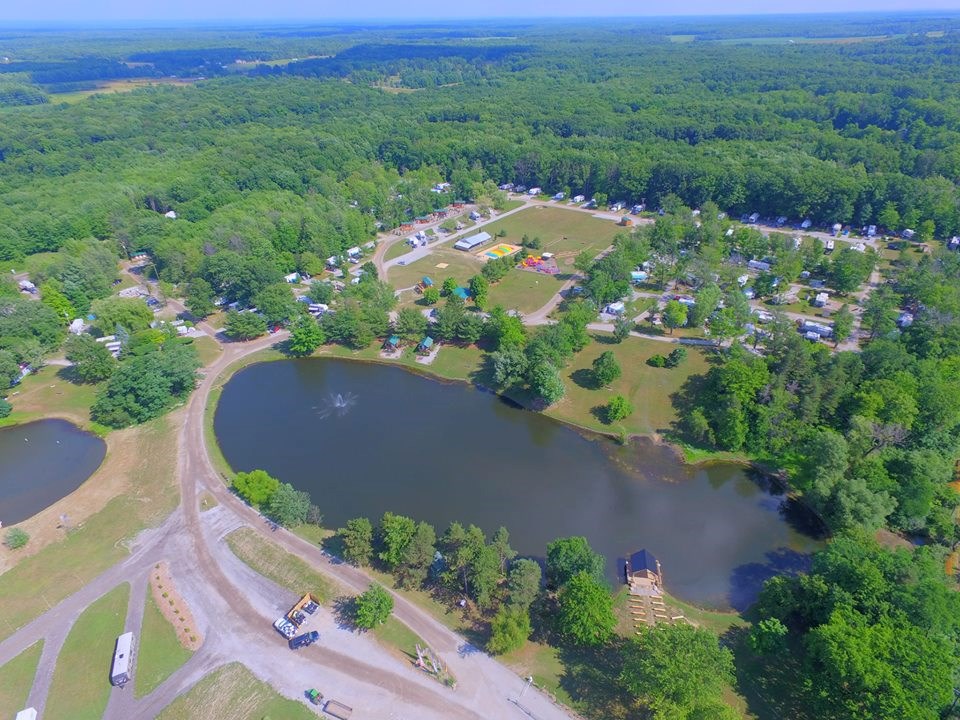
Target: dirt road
[{"x": 234, "y": 609}]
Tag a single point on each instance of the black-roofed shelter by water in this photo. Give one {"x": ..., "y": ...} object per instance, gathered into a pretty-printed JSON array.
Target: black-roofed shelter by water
[{"x": 641, "y": 571}]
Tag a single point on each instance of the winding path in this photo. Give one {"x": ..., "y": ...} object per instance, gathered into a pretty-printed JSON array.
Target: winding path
[{"x": 234, "y": 609}]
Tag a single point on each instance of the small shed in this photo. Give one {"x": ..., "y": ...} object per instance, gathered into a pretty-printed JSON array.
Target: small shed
[
  {"x": 391, "y": 343},
  {"x": 642, "y": 572},
  {"x": 425, "y": 345}
]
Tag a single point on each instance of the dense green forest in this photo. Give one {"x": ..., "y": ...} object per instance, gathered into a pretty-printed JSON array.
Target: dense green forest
[{"x": 290, "y": 145}]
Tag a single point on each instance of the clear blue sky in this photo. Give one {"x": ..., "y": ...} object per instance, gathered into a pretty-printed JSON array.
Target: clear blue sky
[{"x": 100, "y": 11}]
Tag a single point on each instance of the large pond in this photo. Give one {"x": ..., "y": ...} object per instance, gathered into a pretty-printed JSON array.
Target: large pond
[
  {"x": 41, "y": 462},
  {"x": 364, "y": 439}
]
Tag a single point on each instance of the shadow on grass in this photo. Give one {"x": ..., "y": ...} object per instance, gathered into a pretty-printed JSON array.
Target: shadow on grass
[
  {"x": 652, "y": 330},
  {"x": 590, "y": 678},
  {"x": 69, "y": 374},
  {"x": 585, "y": 379},
  {"x": 344, "y": 612},
  {"x": 602, "y": 339},
  {"x": 333, "y": 546},
  {"x": 770, "y": 685},
  {"x": 600, "y": 413}
]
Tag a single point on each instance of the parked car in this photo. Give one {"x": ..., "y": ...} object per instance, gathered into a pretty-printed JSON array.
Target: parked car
[{"x": 305, "y": 640}]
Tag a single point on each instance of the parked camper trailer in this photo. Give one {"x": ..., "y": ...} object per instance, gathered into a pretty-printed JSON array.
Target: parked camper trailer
[{"x": 122, "y": 670}]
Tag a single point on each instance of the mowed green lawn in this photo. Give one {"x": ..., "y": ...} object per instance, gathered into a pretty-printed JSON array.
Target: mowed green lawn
[
  {"x": 276, "y": 564},
  {"x": 234, "y": 693},
  {"x": 395, "y": 634},
  {"x": 647, "y": 388},
  {"x": 525, "y": 291},
  {"x": 565, "y": 233},
  {"x": 16, "y": 679},
  {"x": 461, "y": 265},
  {"x": 561, "y": 231},
  {"x": 81, "y": 681},
  {"x": 46, "y": 393},
  {"x": 159, "y": 652}
]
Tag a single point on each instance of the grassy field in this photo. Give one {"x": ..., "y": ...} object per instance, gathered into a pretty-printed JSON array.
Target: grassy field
[
  {"x": 525, "y": 291},
  {"x": 563, "y": 232},
  {"x": 233, "y": 693},
  {"x": 451, "y": 363},
  {"x": 276, "y": 564},
  {"x": 81, "y": 682},
  {"x": 648, "y": 388},
  {"x": 46, "y": 393},
  {"x": 16, "y": 679},
  {"x": 544, "y": 664},
  {"x": 461, "y": 265},
  {"x": 208, "y": 349},
  {"x": 397, "y": 249},
  {"x": 116, "y": 86},
  {"x": 395, "y": 634},
  {"x": 159, "y": 652},
  {"x": 44, "y": 579}
]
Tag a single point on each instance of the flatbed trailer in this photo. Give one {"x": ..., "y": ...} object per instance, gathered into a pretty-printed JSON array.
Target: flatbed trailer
[
  {"x": 338, "y": 710},
  {"x": 289, "y": 624}
]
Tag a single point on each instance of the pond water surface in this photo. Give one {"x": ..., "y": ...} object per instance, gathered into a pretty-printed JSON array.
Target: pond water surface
[
  {"x": 41, "y": 462},
  {"x": 363, "y": 439}
]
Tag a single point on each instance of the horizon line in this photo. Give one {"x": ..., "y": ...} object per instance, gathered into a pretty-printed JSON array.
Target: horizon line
[{"x": 433, "y": 19}]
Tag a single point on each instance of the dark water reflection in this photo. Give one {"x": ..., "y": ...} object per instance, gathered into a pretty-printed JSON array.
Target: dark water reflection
[
  {"x": 41, "y": 462},
  {"x": 442, "y": 452}
]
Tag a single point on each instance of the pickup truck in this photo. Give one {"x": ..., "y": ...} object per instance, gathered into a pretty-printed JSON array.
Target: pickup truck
[{"x": 302, "y": 641}]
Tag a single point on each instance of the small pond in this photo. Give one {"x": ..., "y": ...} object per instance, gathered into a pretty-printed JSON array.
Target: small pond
[
  {"x": 365, "y": 438},
  {"x": 41, "y": 462}
]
